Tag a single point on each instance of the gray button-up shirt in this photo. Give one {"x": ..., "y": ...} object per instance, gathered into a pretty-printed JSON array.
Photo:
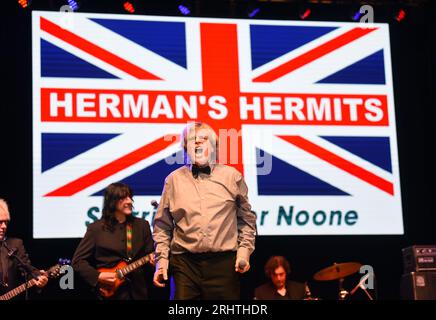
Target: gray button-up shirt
[{"x": 208, "y": 214}]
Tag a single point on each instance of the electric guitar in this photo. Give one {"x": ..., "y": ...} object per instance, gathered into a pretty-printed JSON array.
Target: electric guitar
[
  {"x": 52, "y": 273},
  {"x": 121, "y": 270}
]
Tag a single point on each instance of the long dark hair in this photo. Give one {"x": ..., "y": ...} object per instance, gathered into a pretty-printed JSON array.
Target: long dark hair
[
  {"x": 114, "y": 193},
  {"x": 274, "y": 262}
]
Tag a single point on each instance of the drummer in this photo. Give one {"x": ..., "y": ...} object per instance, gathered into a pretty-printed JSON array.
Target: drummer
[{"x": 279, "y": 287}]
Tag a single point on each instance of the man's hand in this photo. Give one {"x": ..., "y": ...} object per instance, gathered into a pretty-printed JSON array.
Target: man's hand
[
  {"x": 107, "y": 278},
  {"x": 160, "y": 276},
  {"x": 42, "y": 280},
  {"x": 241, "y": 262}
]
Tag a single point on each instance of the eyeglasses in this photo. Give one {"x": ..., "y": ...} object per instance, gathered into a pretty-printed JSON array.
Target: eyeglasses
[
  {"x": 199, "y": 138},
  {"x": 6, "y": 222}
]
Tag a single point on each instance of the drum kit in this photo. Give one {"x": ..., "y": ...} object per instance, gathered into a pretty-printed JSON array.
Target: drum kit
[{"x": 339, "y": 271}]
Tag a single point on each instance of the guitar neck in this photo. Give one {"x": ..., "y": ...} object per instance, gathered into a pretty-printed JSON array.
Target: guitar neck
[
  {"x": 133, "y": 266},
  {"x": 15, "y": 292}
]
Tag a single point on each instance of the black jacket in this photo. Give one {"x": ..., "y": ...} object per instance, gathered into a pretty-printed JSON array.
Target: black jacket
[
  {"x": 102, "y": 248},
  {"x": 10, "y": 271},
  {"x": 294, "y": 291}
]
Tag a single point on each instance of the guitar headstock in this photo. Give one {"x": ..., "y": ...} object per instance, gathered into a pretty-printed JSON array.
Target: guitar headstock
[{"x": 54, "y": 271}]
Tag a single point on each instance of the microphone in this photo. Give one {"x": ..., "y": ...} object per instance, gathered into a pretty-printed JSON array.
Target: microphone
[
  {"x": 242, "y": 264},
  {"x": 154, "y": 203}
]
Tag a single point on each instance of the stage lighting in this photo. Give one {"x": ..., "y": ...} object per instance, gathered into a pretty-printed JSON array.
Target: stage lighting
[
  {"x": 355, "y": 13},
  {"x": 73, "y": 5},
  {"x": 362, "y": 13},
  {"x": 305, "y": 13},
  {"x": 400, "y": 15},
  {"x": 24, "y": 3},
  {"x": 253, "y": 12},
  {"x": 184, "y": 9},
  {"x": 355, "y": 16},
  {"x": 129, "y": 7},
  {"x": 252, "y": 8}
]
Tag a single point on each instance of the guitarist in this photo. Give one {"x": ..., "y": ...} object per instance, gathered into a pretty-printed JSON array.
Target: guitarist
[
  {"x": 10, "y": 270},
  {"x": 116, "y": 237}
]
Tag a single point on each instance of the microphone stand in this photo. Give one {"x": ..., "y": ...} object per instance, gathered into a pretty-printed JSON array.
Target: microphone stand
[
  {"x": 25, "y": 268},
  {"x": 361, "y": 286}
]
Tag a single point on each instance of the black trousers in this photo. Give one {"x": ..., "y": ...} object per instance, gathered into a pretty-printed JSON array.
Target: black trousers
[{"x": 205, "y": 276}]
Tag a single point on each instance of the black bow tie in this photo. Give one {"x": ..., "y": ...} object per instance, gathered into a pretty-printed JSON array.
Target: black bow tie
[{"x": 196, "y": 170}]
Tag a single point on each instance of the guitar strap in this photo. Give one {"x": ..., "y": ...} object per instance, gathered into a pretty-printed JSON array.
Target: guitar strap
[
  {"x": 3, "y": 266},
  {"x": 129, "y": 235}
]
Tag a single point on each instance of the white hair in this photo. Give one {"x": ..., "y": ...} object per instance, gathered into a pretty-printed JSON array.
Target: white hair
[
  {"x": 4, "y": 209},
  {"x": 213, "y": 138}
]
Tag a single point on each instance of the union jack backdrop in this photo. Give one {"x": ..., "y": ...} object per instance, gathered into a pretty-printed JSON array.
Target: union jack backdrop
[{"x": 304, "y": 110}]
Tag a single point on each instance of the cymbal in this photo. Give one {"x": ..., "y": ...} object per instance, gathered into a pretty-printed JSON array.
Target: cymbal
[{"x": 337, "y": 271}]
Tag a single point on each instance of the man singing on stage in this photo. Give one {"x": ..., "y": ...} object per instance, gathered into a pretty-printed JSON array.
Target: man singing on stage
[{"x": 204, "y": 228}]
